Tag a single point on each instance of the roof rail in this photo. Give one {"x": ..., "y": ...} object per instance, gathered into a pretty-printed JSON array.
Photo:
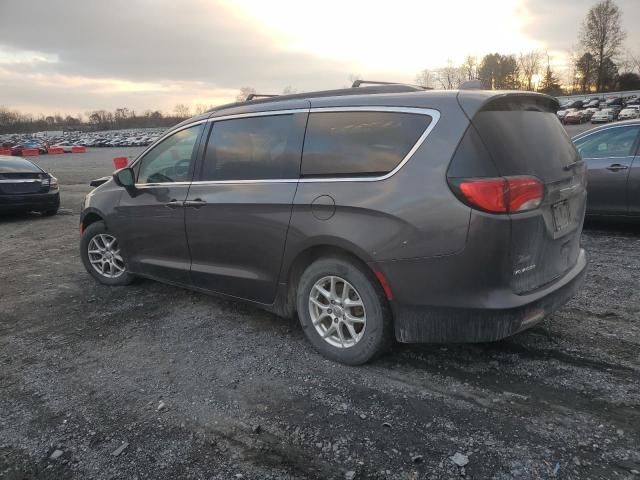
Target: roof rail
[
  {"x": 251, "y": 96},
  {"x": 385, "y": 88},
  {"x": 358, "y": 83}
]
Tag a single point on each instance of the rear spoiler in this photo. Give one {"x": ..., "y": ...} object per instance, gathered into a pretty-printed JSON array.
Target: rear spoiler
[{"x": 474, "y": 101}]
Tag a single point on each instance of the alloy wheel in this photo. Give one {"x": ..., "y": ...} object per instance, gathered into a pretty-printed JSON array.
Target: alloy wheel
[
  {"x": 337, "y": 311},
  {"x": 104, "y": 256}
]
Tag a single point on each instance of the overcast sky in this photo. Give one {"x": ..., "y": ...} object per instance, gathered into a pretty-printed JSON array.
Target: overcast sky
[{"x": 72, "y": 56}]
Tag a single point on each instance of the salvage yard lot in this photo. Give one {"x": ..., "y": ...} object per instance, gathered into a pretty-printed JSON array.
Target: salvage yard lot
[{"x": 152, "y": 381}]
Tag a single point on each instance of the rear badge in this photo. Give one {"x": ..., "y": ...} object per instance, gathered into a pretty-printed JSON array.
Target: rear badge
[{"x": 522, "y": 270}]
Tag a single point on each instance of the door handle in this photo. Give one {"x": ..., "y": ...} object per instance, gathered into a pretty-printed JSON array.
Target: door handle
[
  {"x": 197, "y": 203},
  {"x": 616, "y": 167},
  {"x": 174, "y": 204}
]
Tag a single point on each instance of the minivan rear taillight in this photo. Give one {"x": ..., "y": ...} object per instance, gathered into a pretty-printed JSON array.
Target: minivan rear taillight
[{"x": 502, "y": 194}]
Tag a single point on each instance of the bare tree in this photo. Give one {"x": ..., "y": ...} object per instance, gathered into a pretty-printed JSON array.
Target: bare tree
[
  {"x": 200, "y": 108},
  {"x": 633, "y": 61},
  {"x": 601, "y": 35},
  {"x": 470, "y": 67},
  {"x": 244, "y": 93},
  {"x": 289, "y": 90},
  {"x": 426, "y": 78},
  {"x": 529, "y": 66},
  {"x": 450, "y": 77},
  {"x": 181, "y": 110}
]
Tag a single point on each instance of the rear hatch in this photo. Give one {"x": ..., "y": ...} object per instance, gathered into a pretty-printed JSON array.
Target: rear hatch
[{"x": 519, "y": 137}]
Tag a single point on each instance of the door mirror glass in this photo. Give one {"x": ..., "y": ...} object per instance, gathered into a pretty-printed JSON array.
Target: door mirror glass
[{"x": 124, "y": 178}]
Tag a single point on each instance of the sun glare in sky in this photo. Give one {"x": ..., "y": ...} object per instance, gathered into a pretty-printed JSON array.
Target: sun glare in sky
[
  {"x": 408, "y": 37},
  {"x": 153, "y": 54}
]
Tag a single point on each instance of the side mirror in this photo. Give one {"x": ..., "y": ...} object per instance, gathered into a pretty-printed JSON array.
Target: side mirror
[
  {"x": 96, "y": 182},
  {"x": 125, "y": 178}
]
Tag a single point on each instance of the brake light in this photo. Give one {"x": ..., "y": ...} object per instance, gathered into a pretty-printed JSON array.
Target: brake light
[{"x": 502, "y": 195}]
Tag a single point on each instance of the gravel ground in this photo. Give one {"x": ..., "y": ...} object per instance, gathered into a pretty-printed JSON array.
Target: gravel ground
[{"x": 152, "y": 381}]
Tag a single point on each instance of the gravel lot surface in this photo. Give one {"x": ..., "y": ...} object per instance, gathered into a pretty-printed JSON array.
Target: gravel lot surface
[{"x": 152, "y": 381}]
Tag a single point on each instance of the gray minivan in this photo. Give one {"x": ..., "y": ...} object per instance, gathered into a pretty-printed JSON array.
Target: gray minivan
[{"x": 370, "y": 213}]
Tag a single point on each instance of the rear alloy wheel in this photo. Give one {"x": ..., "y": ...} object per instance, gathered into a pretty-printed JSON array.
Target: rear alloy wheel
[
  {"x": 343, "y": 311},
  {"x": 102, "y": 257},
  {"x": 337, "y": 312}
]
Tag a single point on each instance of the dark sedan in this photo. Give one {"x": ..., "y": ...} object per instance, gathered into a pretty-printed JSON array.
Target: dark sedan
[
  {"x": 24, "y": 187},
  {"x": 613, "y": 162}
]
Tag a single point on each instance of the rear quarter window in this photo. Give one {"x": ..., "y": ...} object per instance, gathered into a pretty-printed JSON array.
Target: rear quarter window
[{"x": 359, "y": 143}]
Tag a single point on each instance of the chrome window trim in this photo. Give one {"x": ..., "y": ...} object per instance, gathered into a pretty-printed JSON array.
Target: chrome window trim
[
  {"x": 258, "y": 114},
  {"x": 165, "y": 184},
  {"x": 435, "y": 117},
  {"x": 434, "y": 114},
  {"x": 581, "y": 136},
  {"x": 159, "y": 140}
]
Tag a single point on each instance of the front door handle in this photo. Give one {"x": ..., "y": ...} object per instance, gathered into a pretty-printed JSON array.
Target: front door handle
[
  {"x": 616, "y": 167},
  {"x": 174, "y": 204},
  {"x": 197, "y": 203}
]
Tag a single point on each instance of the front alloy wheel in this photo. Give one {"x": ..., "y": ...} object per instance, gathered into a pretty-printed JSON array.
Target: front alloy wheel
[{"x": 104, "y": 256}]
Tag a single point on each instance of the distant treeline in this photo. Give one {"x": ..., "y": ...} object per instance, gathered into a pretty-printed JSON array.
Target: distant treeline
[{"x": 12, "y": 121}]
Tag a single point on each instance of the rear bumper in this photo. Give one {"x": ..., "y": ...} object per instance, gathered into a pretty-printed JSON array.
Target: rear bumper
[
  {"x": 34, "y": 201},
  {"x": 441, "y": 324}
]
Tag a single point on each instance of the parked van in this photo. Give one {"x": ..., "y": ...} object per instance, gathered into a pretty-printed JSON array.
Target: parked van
[{"x": 371, "y": 213}]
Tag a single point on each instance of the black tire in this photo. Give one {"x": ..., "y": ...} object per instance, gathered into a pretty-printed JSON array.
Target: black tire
[
  {"x": 51, "y": 212},
  {"x": 378, "y": 333},
  {"x": 89, "y": 233}
]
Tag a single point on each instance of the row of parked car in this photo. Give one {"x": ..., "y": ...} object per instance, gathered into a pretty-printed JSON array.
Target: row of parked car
[
  {"x": 600, "y": 110},
  {"x": 42, "y": 142}
]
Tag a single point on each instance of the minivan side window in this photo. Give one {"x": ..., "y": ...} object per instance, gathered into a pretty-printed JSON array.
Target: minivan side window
[
  {"x": 359, "y": 143},
  {"x": 255, "y": 148},
  {"x": 170, "y": 160},
  {"x": 612, "y": 142}
]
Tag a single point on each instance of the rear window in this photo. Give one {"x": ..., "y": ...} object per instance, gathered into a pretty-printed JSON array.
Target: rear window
[
  {"x": 359, "y": 143},
  {"x": 15, "y": 165},
  {"x": 526, "y": 142},
  {"x": 256, "y": 148}
]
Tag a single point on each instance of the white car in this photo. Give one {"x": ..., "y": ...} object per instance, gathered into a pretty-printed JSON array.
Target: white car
[
  {"x": 630, "y": 112},
  {"x": 603, "y": 116}
]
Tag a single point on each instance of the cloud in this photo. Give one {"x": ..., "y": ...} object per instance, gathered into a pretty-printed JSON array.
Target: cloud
[
  {"x": 76, "y": 55},
  {"x": 205, "y": 47}
]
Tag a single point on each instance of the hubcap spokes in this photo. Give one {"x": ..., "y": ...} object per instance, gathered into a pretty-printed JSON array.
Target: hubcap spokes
[
  {"x": 337, "y": 311},
  {"x": 104, "y": 256}
]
